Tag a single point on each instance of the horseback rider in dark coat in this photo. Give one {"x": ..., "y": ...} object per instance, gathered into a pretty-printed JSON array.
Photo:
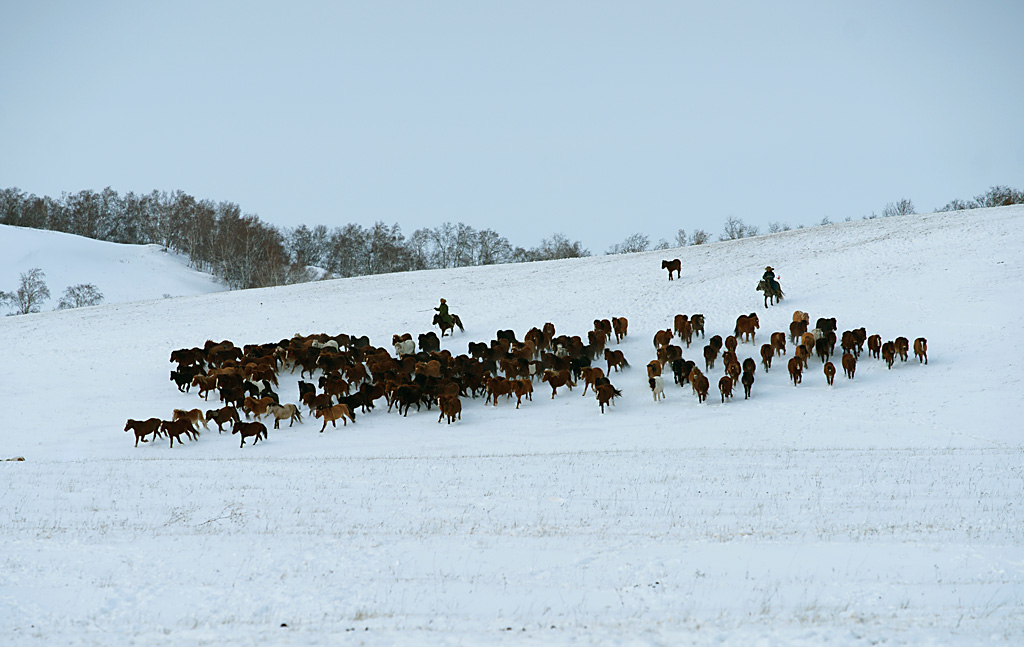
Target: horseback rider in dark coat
[
  {"x": 769, "y": 277},
  {"x": 442, "y": 311}
]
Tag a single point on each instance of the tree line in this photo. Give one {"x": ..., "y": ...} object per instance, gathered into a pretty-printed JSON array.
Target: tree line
[{"x": 245, "y": 252}]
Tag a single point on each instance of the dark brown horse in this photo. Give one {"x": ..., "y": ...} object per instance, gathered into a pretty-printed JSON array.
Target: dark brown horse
[
  {"x": 772, "y": 295},
  {"x": 449, "y": 326},
  {"x": 143, "y": 428},
  {"x": 675, "y": 265}
]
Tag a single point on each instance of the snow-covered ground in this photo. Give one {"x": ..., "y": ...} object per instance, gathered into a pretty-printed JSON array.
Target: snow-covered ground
[
  {"x": 886, "y": 509},
  {"x": 121, "y": 273}
]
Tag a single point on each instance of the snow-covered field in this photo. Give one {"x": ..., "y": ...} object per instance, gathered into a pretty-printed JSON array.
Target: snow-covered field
[{"x": 886, "y": 509}]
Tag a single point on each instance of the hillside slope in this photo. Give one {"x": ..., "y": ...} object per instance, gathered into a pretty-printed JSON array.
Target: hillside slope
[
  {"x": 882, "y": 508},
  {"x": 121, "y": 273}
]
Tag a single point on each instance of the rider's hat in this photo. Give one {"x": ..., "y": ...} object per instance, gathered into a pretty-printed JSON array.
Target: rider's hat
[
  {"x": 769, "y": 269},
  {"x": 443, "y": 301}
]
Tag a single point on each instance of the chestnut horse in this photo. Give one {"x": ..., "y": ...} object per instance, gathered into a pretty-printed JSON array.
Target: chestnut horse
[
  {"x": 745, "y": 326},
  {"x": 619, "y": 326}
]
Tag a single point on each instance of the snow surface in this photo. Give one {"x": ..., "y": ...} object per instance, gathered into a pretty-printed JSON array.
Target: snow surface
[{"x": 882, "y": 510}]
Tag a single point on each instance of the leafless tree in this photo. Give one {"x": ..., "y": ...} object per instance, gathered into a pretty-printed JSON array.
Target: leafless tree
[
  {"x": 902, "y": 207},
  {"x": 31, "y": 292},
  {"x": 79, "y": 296},
  {"x": 634, "y": 243}
]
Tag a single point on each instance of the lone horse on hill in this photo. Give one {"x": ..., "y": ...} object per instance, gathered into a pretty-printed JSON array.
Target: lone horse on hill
[
  {"x": 449, "y": 326},
  {"x": 770, "y": 294}
]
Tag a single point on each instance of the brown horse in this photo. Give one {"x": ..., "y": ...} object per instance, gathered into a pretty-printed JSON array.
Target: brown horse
[
  {"x": 748, "y": 381},
  {"x": 143, "y": 428},
  {"x": 767, "y": 354},
  {"x": 745, "y": 326},
  {"x": 921, "y": 350},
  {"x": 557, "y": 379},
  {"x": 222, "y": 416},
  {"x": 701, "y": 386},
  {"x": 589, "y": 375},
  {"x": 619, "y": 326},
  {"x": 830, "y": 372},
  {"x": 175, "y": 428},
  {"x": 697, "y": 324},
  {"x": 448, "y": 327},
  {"x": 725, "y": 387},
  {"x": 779, "y": 343},
  {"x": 335, "y": 413},
  {"x": 770, "y": 294},
  {"x": 606, "y": 394},
  {"x": 450, "y": 406},
  {"x": 849, "y": 364},
  {"x": 615, "y": 359},
  {"x": 796, "y": 370},
  {"x": 675, "y": 265},
  {"x": 255, "y": 430},
  {"x": 662, "y": 338}
]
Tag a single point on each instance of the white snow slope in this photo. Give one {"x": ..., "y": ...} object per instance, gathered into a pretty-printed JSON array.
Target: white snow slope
[
  {"x": 884, "y": 509},
  {"x": 120, "y": 272}
]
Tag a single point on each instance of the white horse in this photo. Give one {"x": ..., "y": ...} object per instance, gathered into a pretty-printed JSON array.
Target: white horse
[
  {"x": 405, "y": 347},
  {"x": 657, "y": 385}
]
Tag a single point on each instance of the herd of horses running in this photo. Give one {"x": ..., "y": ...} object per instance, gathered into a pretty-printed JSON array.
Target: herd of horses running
[{"x": 347, "y": 375}]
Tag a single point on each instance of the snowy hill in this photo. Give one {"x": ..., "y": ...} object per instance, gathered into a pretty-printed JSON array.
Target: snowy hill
[
  {"x": 121, "y": 273},
  {"x": 887, "y": 507}
]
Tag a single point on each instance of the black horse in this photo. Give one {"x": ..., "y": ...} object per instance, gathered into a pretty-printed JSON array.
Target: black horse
[
  {"x": 448, "y": 326},
  {"x": 770, "y": 293}
]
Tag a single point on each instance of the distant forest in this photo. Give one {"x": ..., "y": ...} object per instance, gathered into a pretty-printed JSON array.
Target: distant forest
[{"x": 246, "y": 252}]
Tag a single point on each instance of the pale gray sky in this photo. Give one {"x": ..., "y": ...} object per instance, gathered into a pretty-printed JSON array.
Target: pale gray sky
[{"x": 595, "y": 119}]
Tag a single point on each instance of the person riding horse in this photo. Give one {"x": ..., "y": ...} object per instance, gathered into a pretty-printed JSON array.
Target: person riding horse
[
  {"x": 442, "y": 311},
  {"x": 769, "y": 277}
]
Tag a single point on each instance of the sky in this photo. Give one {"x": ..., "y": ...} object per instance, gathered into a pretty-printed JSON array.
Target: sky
[{"x": 593, "y": 119}]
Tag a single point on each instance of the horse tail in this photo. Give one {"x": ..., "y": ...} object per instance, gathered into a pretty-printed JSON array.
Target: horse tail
[{"x": 458, "y": 322}]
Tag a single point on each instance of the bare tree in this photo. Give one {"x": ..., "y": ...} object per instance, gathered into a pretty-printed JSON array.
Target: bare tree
[
  {"x": 957, "y": 204},
  {"x": 492, "y": 248},
  {"x": 634, "y": 243},
  {"x": 735, "y": 229},
  {"x": 79, "y": 296},
  {"x": 699, "y": 237},
  {"x": 776, "y": 227},
  {"x": 662, "y": 244},
  {"x": 30, "y": 294},
  {"x": 903, "y": 207},
  {"x": 999, "y": 196}
]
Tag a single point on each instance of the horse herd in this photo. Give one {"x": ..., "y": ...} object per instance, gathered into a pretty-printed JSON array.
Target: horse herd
[
  {"x": 347, "y": 375},
  {"x": 820, "y": 341}
]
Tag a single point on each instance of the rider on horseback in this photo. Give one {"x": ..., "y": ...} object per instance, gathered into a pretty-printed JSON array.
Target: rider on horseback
[
  {"x": 442, "y": 311},
  {"x": 769, "y": 277}
]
